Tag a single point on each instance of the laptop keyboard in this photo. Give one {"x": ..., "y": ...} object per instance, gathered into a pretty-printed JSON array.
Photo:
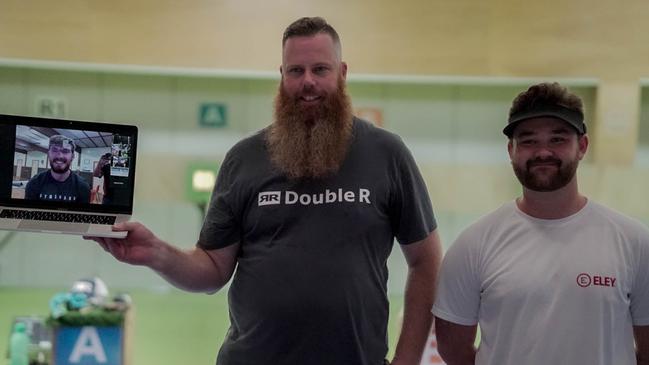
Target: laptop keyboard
[{"x": 57, "y": 216}]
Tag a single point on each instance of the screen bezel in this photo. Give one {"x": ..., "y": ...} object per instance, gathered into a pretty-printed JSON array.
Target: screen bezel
[{"x": 11, "y": 121}]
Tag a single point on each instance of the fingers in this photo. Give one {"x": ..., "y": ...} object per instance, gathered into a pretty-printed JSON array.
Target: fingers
[
  {"x": 126, "y": 226},
  {"x": 115, "y": 247},
  {"x": 104, "y": 245},
  {"x": 107, "y": 244}
]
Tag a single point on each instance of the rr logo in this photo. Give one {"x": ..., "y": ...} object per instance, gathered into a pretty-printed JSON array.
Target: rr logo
[{"x": 269, "y": 198}]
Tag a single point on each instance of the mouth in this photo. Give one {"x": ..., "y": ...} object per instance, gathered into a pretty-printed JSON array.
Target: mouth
[
  {"x": 309, "y": 98},
  {"x": 546, "y": 163}
]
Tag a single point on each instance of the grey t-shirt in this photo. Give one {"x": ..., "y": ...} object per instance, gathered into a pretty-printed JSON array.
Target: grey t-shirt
[{"x": 310, "y": 285}]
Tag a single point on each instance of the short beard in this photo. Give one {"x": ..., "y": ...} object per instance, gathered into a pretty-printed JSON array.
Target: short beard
[
  {"x": 565, "y": 173},
  {"x": 310, "y": 142},
  {"x": 63, "y": 170}
]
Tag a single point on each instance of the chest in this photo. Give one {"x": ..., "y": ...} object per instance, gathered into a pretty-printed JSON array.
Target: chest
[
  {"x": 545, "y": 268},
  {"x": 54, "y": 190}
]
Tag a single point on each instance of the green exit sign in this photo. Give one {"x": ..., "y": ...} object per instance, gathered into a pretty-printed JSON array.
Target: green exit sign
[{"x": 213, "y": 115}]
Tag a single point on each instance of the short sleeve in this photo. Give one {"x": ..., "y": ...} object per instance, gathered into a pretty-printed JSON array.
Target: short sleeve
[
  {"x": 221, "y": 228},
  {"x": 640, "y": 290},
  {"x": 31, "y": 190},
  {"x": 411, "y": 212},
  {"x": 458, "y": 290}
]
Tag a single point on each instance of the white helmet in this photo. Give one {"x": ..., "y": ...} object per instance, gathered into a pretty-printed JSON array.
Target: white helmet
[{"x": 93, "y": 288}]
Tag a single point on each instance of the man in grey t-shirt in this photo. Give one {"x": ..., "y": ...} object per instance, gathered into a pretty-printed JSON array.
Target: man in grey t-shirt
[{"x": 307, "y": 211}]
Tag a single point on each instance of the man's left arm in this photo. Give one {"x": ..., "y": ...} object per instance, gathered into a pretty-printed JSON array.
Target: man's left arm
[
  {"x": 641, "y": 334},
  {"x": 423, "y": 259}
]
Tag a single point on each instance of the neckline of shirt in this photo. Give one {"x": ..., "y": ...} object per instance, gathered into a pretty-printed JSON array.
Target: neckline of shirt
[{"x": 552, "y": 222}]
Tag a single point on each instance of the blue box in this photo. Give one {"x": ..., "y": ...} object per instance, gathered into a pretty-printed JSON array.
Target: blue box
[{"x": 89, "y": 345}]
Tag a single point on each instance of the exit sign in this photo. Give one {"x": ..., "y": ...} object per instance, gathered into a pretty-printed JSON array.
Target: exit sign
[{"x": 213, "y": 115}]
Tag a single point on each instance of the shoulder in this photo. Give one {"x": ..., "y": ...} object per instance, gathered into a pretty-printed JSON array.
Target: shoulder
[
  {"x": 379, "y": 144},
  {"x": 255, "y": 141},
  {"x": 367, "y": 132},
  {"x": 247, "y": 156},
  {"x": 620, "y": 222},
  {"x": 38, "y": 179},
  {"x": 81, "y": 181},
  {"x": 490, "y": 225},
  {"x": 249, "y": 147}
]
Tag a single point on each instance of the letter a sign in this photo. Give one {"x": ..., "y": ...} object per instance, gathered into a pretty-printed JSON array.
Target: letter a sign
[{"x": 88, "y": 346}]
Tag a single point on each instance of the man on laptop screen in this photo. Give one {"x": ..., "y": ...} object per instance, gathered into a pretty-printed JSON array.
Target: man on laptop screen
[{"x": 59, "y": 182}]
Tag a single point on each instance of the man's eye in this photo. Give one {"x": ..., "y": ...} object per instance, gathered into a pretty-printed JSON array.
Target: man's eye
[{"x": 64, "y": 151}]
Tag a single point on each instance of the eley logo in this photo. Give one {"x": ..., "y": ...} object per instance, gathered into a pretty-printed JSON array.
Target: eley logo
[
  {"x": 585, "y": 280},
  {"x": 269, "y": 198}
]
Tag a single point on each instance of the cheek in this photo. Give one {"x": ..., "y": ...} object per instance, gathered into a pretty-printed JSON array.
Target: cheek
[{"x": 290, "y": 86}]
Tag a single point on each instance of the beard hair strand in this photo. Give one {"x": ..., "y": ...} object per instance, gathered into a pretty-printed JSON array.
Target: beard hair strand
[{"x": 310, "y": 142}]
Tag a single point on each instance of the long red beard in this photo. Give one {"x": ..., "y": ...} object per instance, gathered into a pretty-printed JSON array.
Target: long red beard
[{"x": 310, "y": 142}]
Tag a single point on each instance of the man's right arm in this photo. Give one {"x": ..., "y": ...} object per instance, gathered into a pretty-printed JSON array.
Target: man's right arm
[
  {"x": 455, "y": 342},
  {"x": 199, "y": 270},
  {"x": 99, "y": 167},
  {"x": 196, "y": 269}
]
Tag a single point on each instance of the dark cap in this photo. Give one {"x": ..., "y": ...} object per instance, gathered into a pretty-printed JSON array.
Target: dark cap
[{"x": 573, "y": 117}]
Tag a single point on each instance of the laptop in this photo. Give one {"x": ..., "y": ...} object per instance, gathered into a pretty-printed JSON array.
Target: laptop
[{"x": 66, "y": 176}]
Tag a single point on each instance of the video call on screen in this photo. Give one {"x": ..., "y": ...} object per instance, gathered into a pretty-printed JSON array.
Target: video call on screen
[{"x": 101, "y": 159}]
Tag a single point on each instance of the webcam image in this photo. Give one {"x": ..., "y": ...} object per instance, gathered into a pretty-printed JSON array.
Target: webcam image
[{"x": 73, "y": 166}]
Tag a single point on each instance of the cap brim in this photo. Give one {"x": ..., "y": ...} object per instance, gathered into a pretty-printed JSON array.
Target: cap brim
[{"x": 571, "y": 117}]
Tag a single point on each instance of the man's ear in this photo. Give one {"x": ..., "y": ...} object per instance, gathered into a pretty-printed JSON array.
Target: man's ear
[
  {"x": 510, "y": 148},
  {"x": 583, "y": 145},
  {"x": 343, "y": 70}
]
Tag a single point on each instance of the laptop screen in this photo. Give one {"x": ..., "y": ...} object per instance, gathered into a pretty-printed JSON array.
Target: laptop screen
[{"x": 67, "y": 165}]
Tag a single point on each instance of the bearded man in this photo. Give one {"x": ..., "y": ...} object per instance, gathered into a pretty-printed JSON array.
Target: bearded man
[
  {"x": 307, "y": 211},
  {"x": 59, "y": 183},
  {"x": 551, "y": 277}
]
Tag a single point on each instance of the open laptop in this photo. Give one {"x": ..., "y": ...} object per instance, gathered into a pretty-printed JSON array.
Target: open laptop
[{"x": 66, "y": 176}]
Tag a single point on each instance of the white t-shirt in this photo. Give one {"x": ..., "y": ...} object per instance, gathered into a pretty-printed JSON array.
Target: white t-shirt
[{"x": 563, "y": 291}]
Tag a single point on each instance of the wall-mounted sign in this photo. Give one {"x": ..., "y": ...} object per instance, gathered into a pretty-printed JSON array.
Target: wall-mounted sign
[
  {"x": 213, "y": 115},
  {"x": 51, "y": 106}
]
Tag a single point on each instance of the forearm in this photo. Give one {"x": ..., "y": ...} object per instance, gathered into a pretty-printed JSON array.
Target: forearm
[
  {"x": 417, "y": 317},
  {"x": 191, "y": 270},
  {"x": 455, "y": 342},
  {"x": 641, "y": 335},
  {"x": 642, "y": 360},
  {"x": 461, "y": 356}
]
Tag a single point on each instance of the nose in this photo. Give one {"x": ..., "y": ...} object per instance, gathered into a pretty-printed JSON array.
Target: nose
[
  {"x": 543, "y": 151},
  {"x": 309, "y": 80}
]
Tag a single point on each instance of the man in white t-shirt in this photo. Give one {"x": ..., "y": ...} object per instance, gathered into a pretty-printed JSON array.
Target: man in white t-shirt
[{"x": 552, "y": 277}]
